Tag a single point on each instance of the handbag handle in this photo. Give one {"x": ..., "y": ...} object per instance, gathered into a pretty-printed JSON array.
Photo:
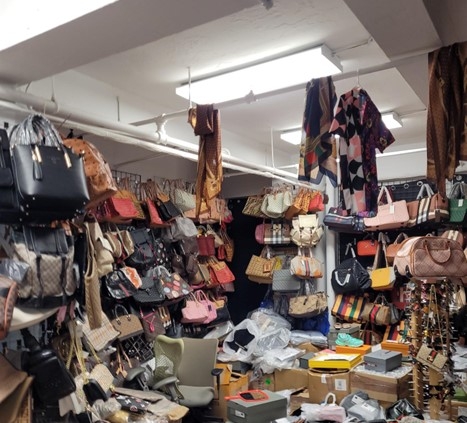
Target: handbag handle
[
  {"x": 160, "y": 271},
  {"x": 121, "y": 307},
  {"x": 350, "y": 248},
  {"x": 427, "y": 250},
  {"x": 326, "y": 399},
  {"x": 383, "y": 190},
  {"x": 425, "y": 188}
]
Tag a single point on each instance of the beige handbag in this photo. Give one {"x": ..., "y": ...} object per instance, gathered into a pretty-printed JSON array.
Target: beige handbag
[
  {"x": 126, "y": 323},
  {"x": 306, "y": 304},
  {"x": 99, "y": 338},
  {"x": 431, "y": 358},
  {"x": 260, "y": 268}
]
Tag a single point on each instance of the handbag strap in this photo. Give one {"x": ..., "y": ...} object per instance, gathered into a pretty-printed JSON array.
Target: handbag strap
[
  {"x": 384, "y": 191},
  {"x": 349, "y": 247},
  {"x": 331, "y": 396}
]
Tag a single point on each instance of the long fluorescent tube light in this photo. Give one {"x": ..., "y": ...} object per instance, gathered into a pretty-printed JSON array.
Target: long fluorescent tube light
[
  {"x": 264, "y": 77},
  {"x": 293, "y": 136},
  {"x": 392, "y": 120}
]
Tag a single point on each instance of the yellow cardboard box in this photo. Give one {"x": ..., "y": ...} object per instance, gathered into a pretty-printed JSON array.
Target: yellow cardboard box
[
  {"x": 290, "y": 379},
  {"x": 320, "y": 384}
]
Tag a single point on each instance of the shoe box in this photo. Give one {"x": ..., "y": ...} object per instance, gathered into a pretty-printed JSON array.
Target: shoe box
[
  {"x": 273, "y": 407},
  {"x": 382, "y": 360},
  {"x": 362, "y": 350},
  {"x": 352, "y": 329}
]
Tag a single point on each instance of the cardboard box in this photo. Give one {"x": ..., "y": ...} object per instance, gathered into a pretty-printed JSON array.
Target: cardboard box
[
  {"x": 273, "y": 407},
  {"x": 235, "y": 383},
  {"x": 458, "y": 408},
  {"x": 307, "y": 347},
  {"x": 334, "y": 361},
  {"x": 382, "y": 387},
  {"x": 303, "y": 361},
  {"x": 401, "y": 347},
  {"x": 296, "y": 400},
  {"x": 320, "y": 384},
  {"x": 290, "y": 379},
  {"x": 344, "y": 349},
  {"x": 265, "y": 381}
]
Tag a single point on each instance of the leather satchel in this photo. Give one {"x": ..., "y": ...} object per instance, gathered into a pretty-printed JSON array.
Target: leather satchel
[
  {"x": 48, "y": 176},
  {"x": 392, "y": 215},
  {"x": 430, "y": 257},
  {"x": 392, "y": 249},
  {"x": 127, "y": 323}
]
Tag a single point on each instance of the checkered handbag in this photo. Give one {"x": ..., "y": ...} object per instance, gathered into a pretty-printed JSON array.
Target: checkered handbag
[{"x": 276, "y": 233}]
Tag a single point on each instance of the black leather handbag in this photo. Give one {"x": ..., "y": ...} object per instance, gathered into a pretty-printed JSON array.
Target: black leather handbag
[
  {"x": 350, "y": 276},
  {"x": 402, "y": 408},
  {"x": 48, "y": 175},
  {"x": 9, "y": 206},
  {"x": 52, "y": 380},
  {"x": 118, "y": 285},
  {"x": 151, "y": 291}
]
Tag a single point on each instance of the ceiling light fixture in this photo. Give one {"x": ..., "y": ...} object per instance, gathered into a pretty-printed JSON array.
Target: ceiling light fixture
[
  {"x": 391, "y": 120},
  {"x": 264, "y": 77},
  {"x": 293, "y": 136}
]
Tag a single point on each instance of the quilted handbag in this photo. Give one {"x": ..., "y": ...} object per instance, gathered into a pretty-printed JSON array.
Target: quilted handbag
[
  {"x": 392, "y": 215},
  {"x": 128, "y": 324},
  {"x": 306, "y": 267},
  {"x": 457, "y": 203},
  {"x": 350, "y": 276},
  {"x": 283, "y": 280},
  {"x": 430, "y": 257},
  {"x": 428, "y": 207}
]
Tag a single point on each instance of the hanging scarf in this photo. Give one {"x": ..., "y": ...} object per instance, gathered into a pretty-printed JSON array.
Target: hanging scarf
[
  {"x": 317, "y": 149},
  {"x": 445, "y": 119},
  {"x": 205, "y": 121}
]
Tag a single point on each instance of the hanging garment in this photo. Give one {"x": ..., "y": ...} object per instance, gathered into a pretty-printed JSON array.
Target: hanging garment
[
  {"x": 357, "y": 149},
  {"x": 446, "y": 132},
  {"x": 205, "y": 121},
  {"x": 374, "y": 136},
  {"x": 317, "y": 149}
]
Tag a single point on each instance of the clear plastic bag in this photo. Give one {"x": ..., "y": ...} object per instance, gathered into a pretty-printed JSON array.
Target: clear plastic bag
[{"x": 267, "y": 320}]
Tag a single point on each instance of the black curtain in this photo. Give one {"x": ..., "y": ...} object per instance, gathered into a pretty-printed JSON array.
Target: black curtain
[{"x": 247, "y": 295}]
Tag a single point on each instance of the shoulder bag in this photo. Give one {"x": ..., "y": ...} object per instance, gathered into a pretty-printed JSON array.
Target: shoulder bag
[
  {"x": 349, "y": 307},
  {"x": 391, "y": 249},
  {"x": 118, "y": 285},
  {"x": 338, "y": 220},
  {"x": 392, "y": 215},
  {"x": 428, "y": 207},
  {"x": 306, "y": 303},
  {"x": 222, "y": 273},
  {"x": 173, "y": 285},
  {"x": 193, "y": 311},
  {"x": 350, "y": 276},
  {"x": 260, "y": 268},
  {"x": 277, "y": 202},
  {"x": 151, "y": 291},
  {"x": 382, "y": 276}
]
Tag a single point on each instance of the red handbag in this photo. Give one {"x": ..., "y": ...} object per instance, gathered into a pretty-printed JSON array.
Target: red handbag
[
  {"x": 221, "y": 271},
  {"x": 316, "y": 202},
  {"x": 154, "y": 218},
  {"x": 367, "y": 247},
  {"x": 206, "y": 245},
  {"x": 117, "y": 210}
]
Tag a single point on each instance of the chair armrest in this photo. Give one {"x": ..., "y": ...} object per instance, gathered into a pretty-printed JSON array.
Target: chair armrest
[
  {"x": 216, "y": 372},
  {"x": 164, "y": 382}
]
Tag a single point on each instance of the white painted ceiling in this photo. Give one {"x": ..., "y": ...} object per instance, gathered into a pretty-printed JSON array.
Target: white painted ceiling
[{"x": 143, "y": 48}]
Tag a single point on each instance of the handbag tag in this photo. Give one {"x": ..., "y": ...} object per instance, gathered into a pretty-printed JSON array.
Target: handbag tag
[
  {"x": 391, "y": 209},
  {"x": 460, "y": 202},
  {"x": 267, "y": 267}
]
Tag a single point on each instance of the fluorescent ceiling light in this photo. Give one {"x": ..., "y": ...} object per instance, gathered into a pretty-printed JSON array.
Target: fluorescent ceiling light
[
  {"x": 293, "y": 137},
  {"x": 264, "y": 77},
  {"x": 392, "y": 120}
]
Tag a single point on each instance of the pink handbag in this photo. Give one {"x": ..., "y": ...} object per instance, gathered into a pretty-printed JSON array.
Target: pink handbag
[
  {"x": 392, "y": 215},
  {"x": 194, "y": 311},
  {"x": 208, "y": 305}
]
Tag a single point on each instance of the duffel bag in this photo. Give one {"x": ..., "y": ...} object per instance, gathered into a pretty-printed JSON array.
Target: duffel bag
[{"x": 425, "y": 257}]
